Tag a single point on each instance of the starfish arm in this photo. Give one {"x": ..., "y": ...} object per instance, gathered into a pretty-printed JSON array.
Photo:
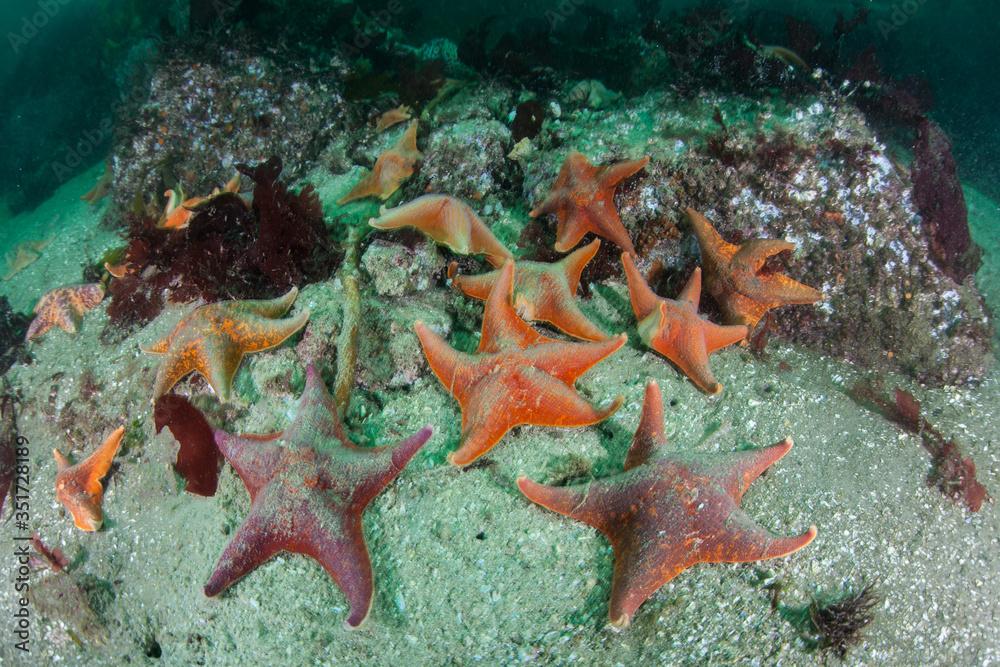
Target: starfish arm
[
  {"x": 782, "y": 290},
  {"x": 568, "y": 361},
  {"x": 604, "y": 504},
  {"x": 639, "y": 571},
  {"x": 742, "y": 540},
  {"x": 477, "y": 287},
  {"x": 407, "y": 144},
  {"x": 608, "y": 223},
  {"x": 736, "y": 471},
  {"x": 366, "y": 187},
  {"x": 382, "y": 465},
  {"x": 96, "y": 466},
  {"x": 255, "y": 333},
  {"x": 692, "y": 290},
  {"x": 483, "y": 242},
  {"x": 455, "y": 370},
  {"x": 161, "y": 346},
  {"x": 256, "y": 541},
  {"x": 219, "y": 359},
  {"x": 176, "y": 365},
  {"x": 318, "y": 415},
  {"x": 254, "y": 457},
  {"x": 718, "y": 337},
  {"x": 755, "y": 252},
  {"x": 338, "y": 544},
  {"x": 269, "y": 307},
  {"x": 549, "y": 205},
  {"x": 715, "y": 251},
  {"x": 502, "y": 328},
  {"x": 66, "y": 319},
  {"x": 644, "y": 300},
  {"x": 649, "y": 436},
  {"x": 562, "y": 311},
  {"x": 38, "y": 327},
  {"x": 741, "y": 310},
  {"x": 572, "y": 227},
  {"x": 573, "y": 264},
  {"x": 613, "y": 174}
]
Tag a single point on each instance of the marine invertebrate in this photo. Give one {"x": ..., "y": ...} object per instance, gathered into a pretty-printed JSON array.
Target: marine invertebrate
[
  {"x": 101, "y": 188},
  {"x": 543, "y": 292},
  {"x": 391, "y": 169},
  {"x": 674, "y": 328},
  {"x": 736, "y": 279},
  {"x": 517, "y": 376},
  {"x": 834, "y": 621},
  {"x": 583, "y": 200},
  {"x": 448, "y": 221},
  {"x": 78, "y": 487},
  {"x": 393, "y": 117},
  {"x": 308, "y": 486},
  {"x": 213, "y": 339},
  {"x": 669, "y": 510},
  {"x": 64, "y": 307},
  {"x": 23, "y": 255}
]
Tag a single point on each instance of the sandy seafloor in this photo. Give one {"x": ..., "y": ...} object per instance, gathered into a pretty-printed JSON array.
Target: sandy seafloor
[{"x": 467, "y": 571}]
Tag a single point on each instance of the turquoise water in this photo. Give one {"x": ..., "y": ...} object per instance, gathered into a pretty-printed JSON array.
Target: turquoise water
[{"x": 164, "y": 160}]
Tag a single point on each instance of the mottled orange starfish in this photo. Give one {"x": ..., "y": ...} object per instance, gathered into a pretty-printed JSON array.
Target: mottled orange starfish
[
  {"x": 78, "y": 487},
  {"x": 670, "y": 510},
  {"x": 543, "y": 292},
  {"x": 309, "y": 486},
  {"x": 735, "y": 278},
  {"x": 674, "y": 328},
  {"x": 213, "y": 339},
  {"x": 448, "y": 221},
  {"x": 583, "y": 200},
  {"x": 391, "y": 168},
  {"x": 64, "y": 307},
  {"x": 518, "y": 376}
]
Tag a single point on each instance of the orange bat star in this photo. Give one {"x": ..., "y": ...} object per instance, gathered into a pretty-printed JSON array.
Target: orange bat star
[
  {"x": 178, "y": 212},
  {"x": 64, "y": 307},
  {"x": 392, "y": 168},
  {"x": 669, "y": 510},
  {"x": 517, "y": 376},
  {"x": 448, "y": 221},
  {"x": 542, "y": 292},
  {"x": 734, "y": 276},
  {"x": 583, "y": 200},
  {"x": 674, "y": 328},
  {"x": 78, "y": 487}
]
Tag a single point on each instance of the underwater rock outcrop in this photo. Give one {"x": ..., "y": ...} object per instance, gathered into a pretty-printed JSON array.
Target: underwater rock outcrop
[{"x": 198, "y": 119}]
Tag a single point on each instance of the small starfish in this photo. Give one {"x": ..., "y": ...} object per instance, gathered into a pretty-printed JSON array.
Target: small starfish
[
  {"x": 179, "y": 211},
  {"x": 583, "y": 200},
  {"x": 23, "y": 255},
  {"x": 448, "y": 221},
  {"x": 78, "y": 487},
  {"x": 518, "y": 376},
  {"x": 101, "y": 188},
  {"x": 393, "y": 117},
  {"x": 213, "y": 339},
  {"x": 734, "y": 278},
  {"x": 542, "y": 292},
  {"x": 308, "y": 487},
  {"x": 64, "y": 307},
  {"x": 669, "y": 510},
  {"x": 674, "y": 328},
  {"x": 392, "y": 168}
]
